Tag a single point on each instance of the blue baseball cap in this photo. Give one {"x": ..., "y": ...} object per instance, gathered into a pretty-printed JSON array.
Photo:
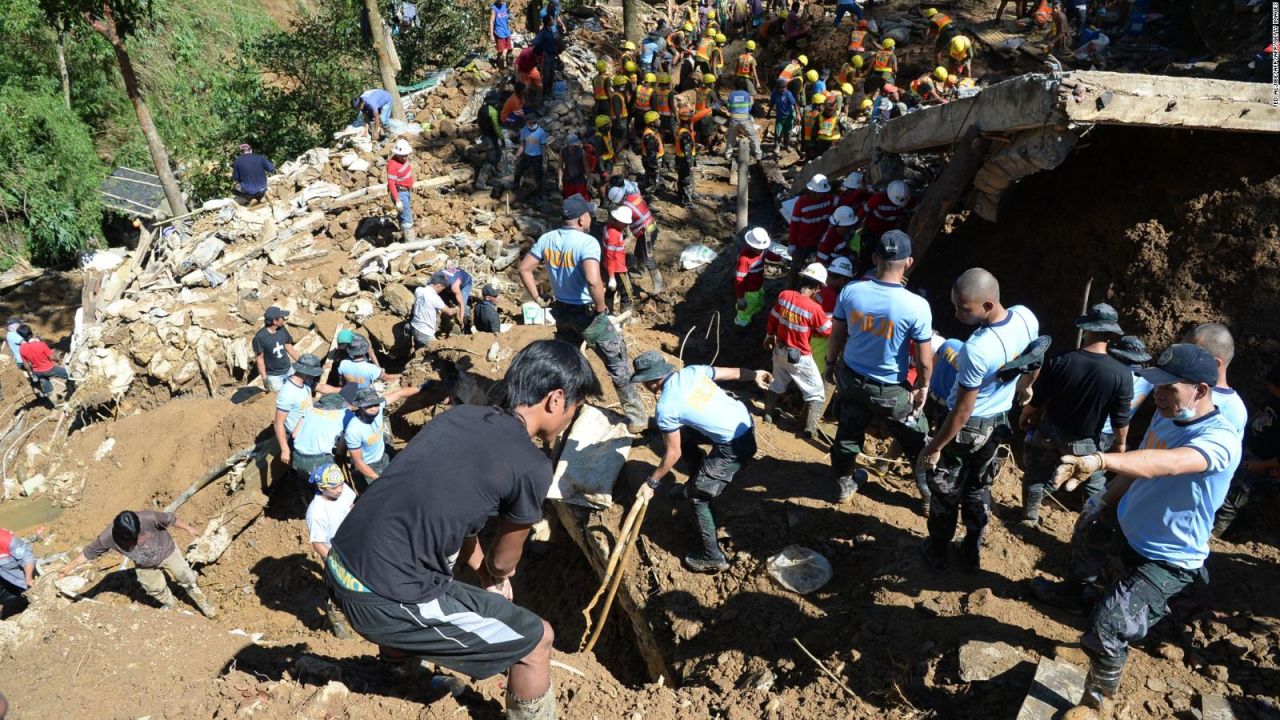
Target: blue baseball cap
[{"x": 1182, "y": 362}]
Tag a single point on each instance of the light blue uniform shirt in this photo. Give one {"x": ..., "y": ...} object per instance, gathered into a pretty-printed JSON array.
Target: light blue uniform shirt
[
  {"x": 361, "y": 372},
  {"x": 988, "y": 349},
  {"x": 691, "y": 397},
  {"x": 366, "y": 437},
  {"x": 319, "y": 431},
  {"x": 14, "y": 340},
  {"x": 533, "y": 140},
  {"x": 11, "y": 565},
  {"x": 294, "y": 400},
  {"x": 1232, "y": 407},
  {"x": 1141, "y": 389},
  {"x": 564, "y": 251},
  {"x": 946, "y": 362},
  {"x": 1170, "y": 518},
  {"x": 882, "y": 317}
]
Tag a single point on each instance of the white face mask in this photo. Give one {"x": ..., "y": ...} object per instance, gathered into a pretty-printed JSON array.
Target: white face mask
[{"x": 1186, "y": 413}]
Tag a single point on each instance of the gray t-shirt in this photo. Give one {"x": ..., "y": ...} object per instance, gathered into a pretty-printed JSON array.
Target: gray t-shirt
[{"x": 154, "y": 541}]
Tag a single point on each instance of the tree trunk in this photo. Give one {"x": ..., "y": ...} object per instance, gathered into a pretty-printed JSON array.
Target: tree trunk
[
  {"x": 379, "y": 32},
  {"x": 62, "y": 67},
  {"x": 159, "y": 155},
  {"x": 630, "y": 21}
]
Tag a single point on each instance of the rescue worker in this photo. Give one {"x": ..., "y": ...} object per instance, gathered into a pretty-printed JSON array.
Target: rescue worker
[
  {"x": 662, "y": 104},
  {"x": 884, "y": 61},
  {"x": 644, "y": 227},
  {"x": 809, "y": 125},
  {"x": 17, "y": 575},
  {"x": 642, "y": 103},
  {"x": 959, "y": 57},
  {"x": 616, "y": 233},
  {"x": 809, "y": 219},
  {"x": 927, "y": 87},
  {"x": 400, "y": 186},
  {"x": 960, "y": 460},
  {"x": 686, "y": 152},
  {"x": 629, "y": 57},
  {"x": 604, "y": 150},
  {"x": 704, "y": 104},
  {"x": 854, "y": 193},
  {"x": 618, "y": 113},
  {"x": 317, "y": 435},
  {"x": 489, "y": 120},
  {"x": 1216, "y": 338},
  {"x": 747, "y": 68},
  {"x": 941, "y": 29},
  {"x": 840, "y": 236},
  {"x": 792, "y": 74},
  {"x": 868, "y": 359},
  {"x": 717, "y": 55},
  {"x": 600, "y": 84},
  {"x": 702, "y": 54},
  {"x": 748, "y": 275},
  {"x": 652, "y": 152},
  {"x": 828, "y": 130},
  {"x": 574, "y": 170},
  {"x": 1260, "y": 468},
  {"x": 794, "y": 318},
  {"x": 784, "y": 107},
  {"x": 884, "y": 211},
  {"x": 740, "y": 120}
]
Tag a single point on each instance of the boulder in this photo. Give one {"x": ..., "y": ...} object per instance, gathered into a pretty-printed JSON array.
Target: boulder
[
  {"x": 980, "y": 661},
  {"x": 399, "y": 299}
]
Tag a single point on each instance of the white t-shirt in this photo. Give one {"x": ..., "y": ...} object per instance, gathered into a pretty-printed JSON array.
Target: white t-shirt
[
  {"x": 426, "y": 310},
  {"x": 325, "y": 515}
]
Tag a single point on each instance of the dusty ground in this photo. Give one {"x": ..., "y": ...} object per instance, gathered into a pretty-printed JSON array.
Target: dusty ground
[{"x": 1166, "y": 253}]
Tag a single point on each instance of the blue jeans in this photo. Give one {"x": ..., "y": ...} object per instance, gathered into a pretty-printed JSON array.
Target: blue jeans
[
  {"x": 406, "y": 209},
  {"x": 842, "y": 8},
  {"x": 384, "y": 115}
]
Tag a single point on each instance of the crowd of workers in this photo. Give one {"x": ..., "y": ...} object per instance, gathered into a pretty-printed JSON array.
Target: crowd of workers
[{"x": 857, "y": 343}]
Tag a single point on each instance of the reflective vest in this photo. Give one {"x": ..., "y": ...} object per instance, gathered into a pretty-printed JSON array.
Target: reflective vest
[
  {"x": 740, "y": 102},
  {"x": 617, "y": 105},
  {"x": 685, "y": 146},
  {"x": 746, "y": 63},
  {"x": 717, "y": 57},
  {"x": 940, "y": 21},
  {"x": 702, "y": 99},
  {"x": 704, "y": 48},
  {"x": 810, "y": 122},
  {"x": 643, "y": 219},
  {"x": 606, "y": 146},
  {"x": 791, "y": 70},
  {"x": 882, "y": 60},
  {"x": 644, "y": 97},
  {"x": 856, "y": 40},
  {"x": 650, "y": 132},
  {"x": 662, "y": 101},
  {"x": 600, "y": 87},
  {"x": 1042, "y": 15},
  {"x": 829, "y": 127},
  {"x": 920, "y": 82},
  {"x": 615, "y": 242}
]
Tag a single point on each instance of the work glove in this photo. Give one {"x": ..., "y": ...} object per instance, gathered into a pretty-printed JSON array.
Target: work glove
[
  {"x": 613, "y": 283},
  {"x": 763, "y": 378},
  {"x": 1075, "y": 469}
]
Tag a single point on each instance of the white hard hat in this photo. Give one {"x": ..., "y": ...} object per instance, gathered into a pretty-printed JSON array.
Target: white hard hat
[
  {"x": 843, "y": 216},
  {"x": 401, "y": 147},
  {"x": 617, "y": 194},
  {"x": 841, "y": 266},
  {"x": 758, "y": 238},
  {"x": 899, "y": 192},
  {"x": 852, "y": 181},
  {"x": 622, "y": 214},
  {"x": 815, "y": 271},
  {"x": 818, "y": 183}
]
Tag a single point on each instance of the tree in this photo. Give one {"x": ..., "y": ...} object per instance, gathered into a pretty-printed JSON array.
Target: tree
[
  {"x": 115, "y": 21},
  {"x": 379, "y": 31},
  {"x": 630, "y": 21}
]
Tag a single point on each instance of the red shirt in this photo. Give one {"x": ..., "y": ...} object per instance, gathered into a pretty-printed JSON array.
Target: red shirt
[
  {"x": 748, "y": 274},
  {"x": 827, "y": 297},
  {"x": 527, "y": 60},
  {"x": 615, "y": 248},
  {"x": 37, "y": 355},
  {"x": 882, "y": 215},
  {"x": 794, "y": 318},
  {"x": 399, "y": 175},
  {"x": 809, "y": 219},
  {"x": 834, "y": 244},
  {"x": 854, "y": 199}
]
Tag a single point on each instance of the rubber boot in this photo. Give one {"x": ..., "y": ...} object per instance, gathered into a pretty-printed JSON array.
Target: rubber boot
[
  {"x": 337, "y": 621},
  {"x": 922, "y": 484},
  {"x": 847, "y": 485},
  {"x": 539, "y": 708},
  {"x": 206, "y": 608},
  {"x": 409, "y": 233},
  {"x": 1100, "y": 685},
  {"x": 1032, "y": 498},
  {"x": 709, "y": 558},
  {"x": 634, "y": 408},
  {"x": 655, "y": 276},
  {"x": 771, "y": 407},
  {"x": 813, "y": 414}
]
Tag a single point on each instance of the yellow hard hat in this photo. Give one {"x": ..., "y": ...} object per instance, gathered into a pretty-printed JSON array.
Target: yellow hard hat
[
  {"x": 631, "y": 66},
  {"x": 651, "y": 116},
  {"x": 602, "y": 66},
  {"x": 940, "y": 73},
  {"x": 687, "y": 27},
  {"x": 889, "y": 43},
  {"x": 709, "y": 79},
  {"x": 628, "y": 45},
  {"x": 711, "y": 14},
  {"x": 602, "y": 121},
  {"x": 664, "y": 79},
  {"x": 952, "y": 80},
  {"x": 858, "y": 61},
  {"x": 930, "y": 12},
  {"x": 959, "y": 44},
  {"x": 710, "y": 32},
  {"x": 811, "y": 76},
  {"x": 720, "y": 38},
  {"x": 782, "y": 13},
  {"x": 650, "y": 78},
  {"x": 803, "y": 60},
  {"x": 619, "y": 80},
  {"x": 751, "y": 45},
  {"x": 818, "y": 98},
  {"x": 846, "y": 88},
  {"x": 865, "y": 104},
  {"x": 967, "y": 82}
]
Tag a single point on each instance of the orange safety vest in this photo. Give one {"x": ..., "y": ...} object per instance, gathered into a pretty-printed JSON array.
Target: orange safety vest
[
  {"x": 940, "y": 21},
  {"x": 829, "y": 127},
  {"x": 644, "y": 97},
  {"x": 704, "y": 48},
  {"x": 882, "y": 60},
  {"x": 607, "y": 143},
  {"x": 662, "y": 101},
  {"x": 791, "y": 70},
  {"x": 1042, "y": 15},
  {"x": 856, "y": 39},
  {"x": 600, "y": 87},
  {"x": 617, "y": 105},
  {"x": 717, "y": 57},
  {"x": 650, "y": 132},
  {"x": 701, "y": 99},
  {"x": 685, "y": 145},
  {"x": 810, "y": 122},
  {"x": 746, "y": 63}
]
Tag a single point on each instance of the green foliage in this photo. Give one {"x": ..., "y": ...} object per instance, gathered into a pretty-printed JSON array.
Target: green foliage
[
  {"x": 447, "y": 32},
  {"x": 51, "y": 178}
]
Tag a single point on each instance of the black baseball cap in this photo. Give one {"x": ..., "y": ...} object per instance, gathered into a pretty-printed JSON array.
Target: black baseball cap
[
  {"x": 894, "y": 245},
  {"x": 575, "y": 207},
  {"x": 1182, "y": 362},
  {"x": 1130, "y": 349},
  {"x": 489, "y": 290},
  {"x": 1101, "y": 318},
  {"x": 274, "y": 312}
]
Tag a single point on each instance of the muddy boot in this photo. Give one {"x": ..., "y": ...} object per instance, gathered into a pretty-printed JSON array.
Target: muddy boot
[
  {"x": 634, "y": 408},
  {"x": 922, "y": 484},
  {"x": 655, "y": 276},
  {"x": 206, "y": 608},
  {"x": 709, "y": 558},
  {"x": 409, "y": 233},
  {"x": 770, "y": 413},
  {"x": 813, "y": 413},
  {"x": 1032, "y": 499},
  {"x": 1100, "y": 685},
  {"x": 1066, "y": 594},
  {"x": 539, "y": 708},
  {"x": 337, "y": 621},
  {"x": 847, "y": 485}
]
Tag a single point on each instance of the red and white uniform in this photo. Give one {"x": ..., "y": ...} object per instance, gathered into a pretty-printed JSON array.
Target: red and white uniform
[
  {"x": 794, "y": 318},
  {"x": 882, "y": 215},
  {"x": 640, "y": 211},
  {"x": 809, "y": 219},
  {"x": 615, "y": 248}
]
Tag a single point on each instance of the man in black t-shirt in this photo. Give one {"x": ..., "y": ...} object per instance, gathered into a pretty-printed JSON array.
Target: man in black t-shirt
[
  {"x": 390, "y": 566},
  {"x": 1071, "y": 399},
  {"x": 1260, "y": 468},
  {"x": 273, "y": 349}
]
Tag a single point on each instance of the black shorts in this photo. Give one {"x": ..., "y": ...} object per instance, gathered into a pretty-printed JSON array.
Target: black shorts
[{"x": 466, "y": 629}]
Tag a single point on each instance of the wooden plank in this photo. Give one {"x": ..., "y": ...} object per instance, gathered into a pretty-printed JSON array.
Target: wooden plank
[
  {"x": 1057, "y": 687},
  {"x": 946, "y": 191}
]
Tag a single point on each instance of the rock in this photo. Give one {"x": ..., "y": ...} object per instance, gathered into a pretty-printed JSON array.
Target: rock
[
  {"x": 399, "y": 298},
  {"x": 325, "y": 324},
  {"x": 382, "y": 332},
  {"x": 977, "y": 599},
  {"x": 327, "y": 702},
  {"x": 1172, "y": 652},
  {"x": 933, "y": 607},
  {"x": 1217, "y": 672},
  {"x": 981, "y": 661},
  {"x": 1216, "y": 707},
  {"x": 493, "y": 249},
  {"x": 33, "y": 485},
  {"x": 448, "y": 128},
  {"x": 1157, "y": 685},
  {"x": 346, "y": 287},
  {"x": 1071, "y": 654}
]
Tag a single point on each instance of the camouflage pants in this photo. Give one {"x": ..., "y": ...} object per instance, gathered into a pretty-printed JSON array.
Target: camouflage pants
[
  {"x": 862, "y": 402},
  {"x": 960, "y": 485}
]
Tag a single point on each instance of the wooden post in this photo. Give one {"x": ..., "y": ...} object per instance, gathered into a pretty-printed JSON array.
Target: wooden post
[
  {"x": 942, "y": 195},
  {"x": 744, "y": 157},
  {"x": 378, "y": 30}
]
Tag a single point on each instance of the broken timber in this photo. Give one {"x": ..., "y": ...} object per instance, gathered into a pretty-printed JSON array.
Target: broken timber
[{"x": 1047, "y": 113}]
